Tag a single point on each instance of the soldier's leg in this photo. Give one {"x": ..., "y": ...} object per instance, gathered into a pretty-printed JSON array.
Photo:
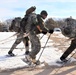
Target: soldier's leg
[
  {"x": 35, "y": 45},
  {"x": 69, "y": 50},
  {"x": 26, "y": 43},
  {"x": 18, "y": 40}
]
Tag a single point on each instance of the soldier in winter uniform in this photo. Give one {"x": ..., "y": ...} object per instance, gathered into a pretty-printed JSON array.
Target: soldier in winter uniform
[
  {"x": 15, "y": 26},
  {"x": 34, "y": 26},
  {"x": 19, "y": 27},
  {"x": 69, "y": 31}
]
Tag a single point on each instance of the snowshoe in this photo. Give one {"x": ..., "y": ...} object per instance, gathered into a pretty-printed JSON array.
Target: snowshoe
[
  {"x": 31, "y": 61},
  {"x": 30, "y": 64},
  {"x": 62, "y": 61},
  {"x": 27, "y": 59}
]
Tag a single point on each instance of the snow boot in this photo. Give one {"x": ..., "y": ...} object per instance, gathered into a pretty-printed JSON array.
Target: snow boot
[
  {"x": 27, "y": 52},
  {"x": 10, "y": 53},
  {"x": 31, "y": 61},
  {"x": 37, "y": 62}
]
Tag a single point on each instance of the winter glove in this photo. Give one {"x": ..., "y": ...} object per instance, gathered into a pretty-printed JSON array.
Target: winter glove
[
  {"x": 44, "y": 32},
  {"x": 51, "y": 31}
]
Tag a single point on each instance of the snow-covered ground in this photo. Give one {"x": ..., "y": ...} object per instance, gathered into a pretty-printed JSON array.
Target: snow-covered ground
[{"x": 50, "y": 53}]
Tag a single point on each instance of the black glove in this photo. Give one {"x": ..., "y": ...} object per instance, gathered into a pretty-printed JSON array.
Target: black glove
[
  {"x": 44, "y": 32},
  {"x": 51, "y": 31}
]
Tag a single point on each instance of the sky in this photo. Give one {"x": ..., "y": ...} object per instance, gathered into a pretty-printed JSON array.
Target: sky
[
  {"x": 55, "y": 8},
  {"x": 50, "y": 54}
]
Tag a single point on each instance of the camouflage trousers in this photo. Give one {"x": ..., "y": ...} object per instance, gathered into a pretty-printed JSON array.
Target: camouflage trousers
[
  {"x": 19, "y": 40},
  {"x": 35, "y": 45},
  {"x": 69, "y": 50}
]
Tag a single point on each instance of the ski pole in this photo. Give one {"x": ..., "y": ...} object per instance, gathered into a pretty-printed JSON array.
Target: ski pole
[
  {"x": 41, "y": 37},
  {"x": 43, "y": 48},
  {"x": 7, "y": 41},
  {"x": 19, "y": 48},
  {"x": 9, "y": 37},
  {"x": 9, "y": 48}
]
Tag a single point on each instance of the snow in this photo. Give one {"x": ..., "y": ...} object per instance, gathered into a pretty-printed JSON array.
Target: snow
[{"x": 50, "y": 54}]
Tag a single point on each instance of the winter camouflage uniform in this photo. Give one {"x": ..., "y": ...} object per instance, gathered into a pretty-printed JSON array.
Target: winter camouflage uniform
[
  {"x": 34, "y": 26},
  {"x": 16, "y": 27},
  {"x": 69, "y": 28},
  {"x": 35, "y": 43},
  {"x": 69, "y": 31},
  {"x": 32, "y": 29}
]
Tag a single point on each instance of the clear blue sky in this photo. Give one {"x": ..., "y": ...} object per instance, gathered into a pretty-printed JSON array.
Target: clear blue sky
[{"x": 55, "y": 8}]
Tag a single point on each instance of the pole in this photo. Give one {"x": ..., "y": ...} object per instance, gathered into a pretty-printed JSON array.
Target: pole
[
  {"x": 8, "y": 37},
  {"x": 41, "y": 37},
  {"x": 43, "y": 48}
]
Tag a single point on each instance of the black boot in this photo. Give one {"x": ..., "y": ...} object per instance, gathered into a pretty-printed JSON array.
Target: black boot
[
  {"x": 64, "y": 60},
  {"x": 27, "y": 52},
  {"x": 10, "y": 53}
]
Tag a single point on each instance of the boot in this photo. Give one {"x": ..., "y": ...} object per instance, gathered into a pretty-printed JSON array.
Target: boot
[
  {"x": 32, "y": 61},
  {"x": 63, "y": 59},
  {"x": 37, "y": 62},
  {"x": 28, "y": 59},
  {"x": 27, "y": 52},
  {"x": 10, "y": 53}
]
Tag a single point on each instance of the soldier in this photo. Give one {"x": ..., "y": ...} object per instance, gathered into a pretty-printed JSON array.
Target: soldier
[
  {"x": 20, "y": 28},
  {"x": 15, "y": 26},
  {"x": 70, "y": 31},
  {"x": 69, "y": 50},
  {"x": 34, "y": 26}
]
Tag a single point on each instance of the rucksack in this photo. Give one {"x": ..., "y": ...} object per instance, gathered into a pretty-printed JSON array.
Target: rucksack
[
  {"x": 30, "y": 10},
  {"x": 69, "y": 30},
  {"x": 15, "y": 25},
  {"x": 24, "y": 20},
  {"x": 23, "y": 23}
]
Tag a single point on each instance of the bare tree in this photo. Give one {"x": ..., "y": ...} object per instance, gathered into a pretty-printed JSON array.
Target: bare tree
[{"x": 51, "y": 24}]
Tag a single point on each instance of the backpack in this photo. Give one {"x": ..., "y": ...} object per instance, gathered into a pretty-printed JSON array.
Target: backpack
[
  {"x": 24, "y": 20},
  {"x": 70, "y": 29},
  {"x": 15, "y": 25},
  {"x": 23, "y": 23},
  {"x": 30, "y": 10}
]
